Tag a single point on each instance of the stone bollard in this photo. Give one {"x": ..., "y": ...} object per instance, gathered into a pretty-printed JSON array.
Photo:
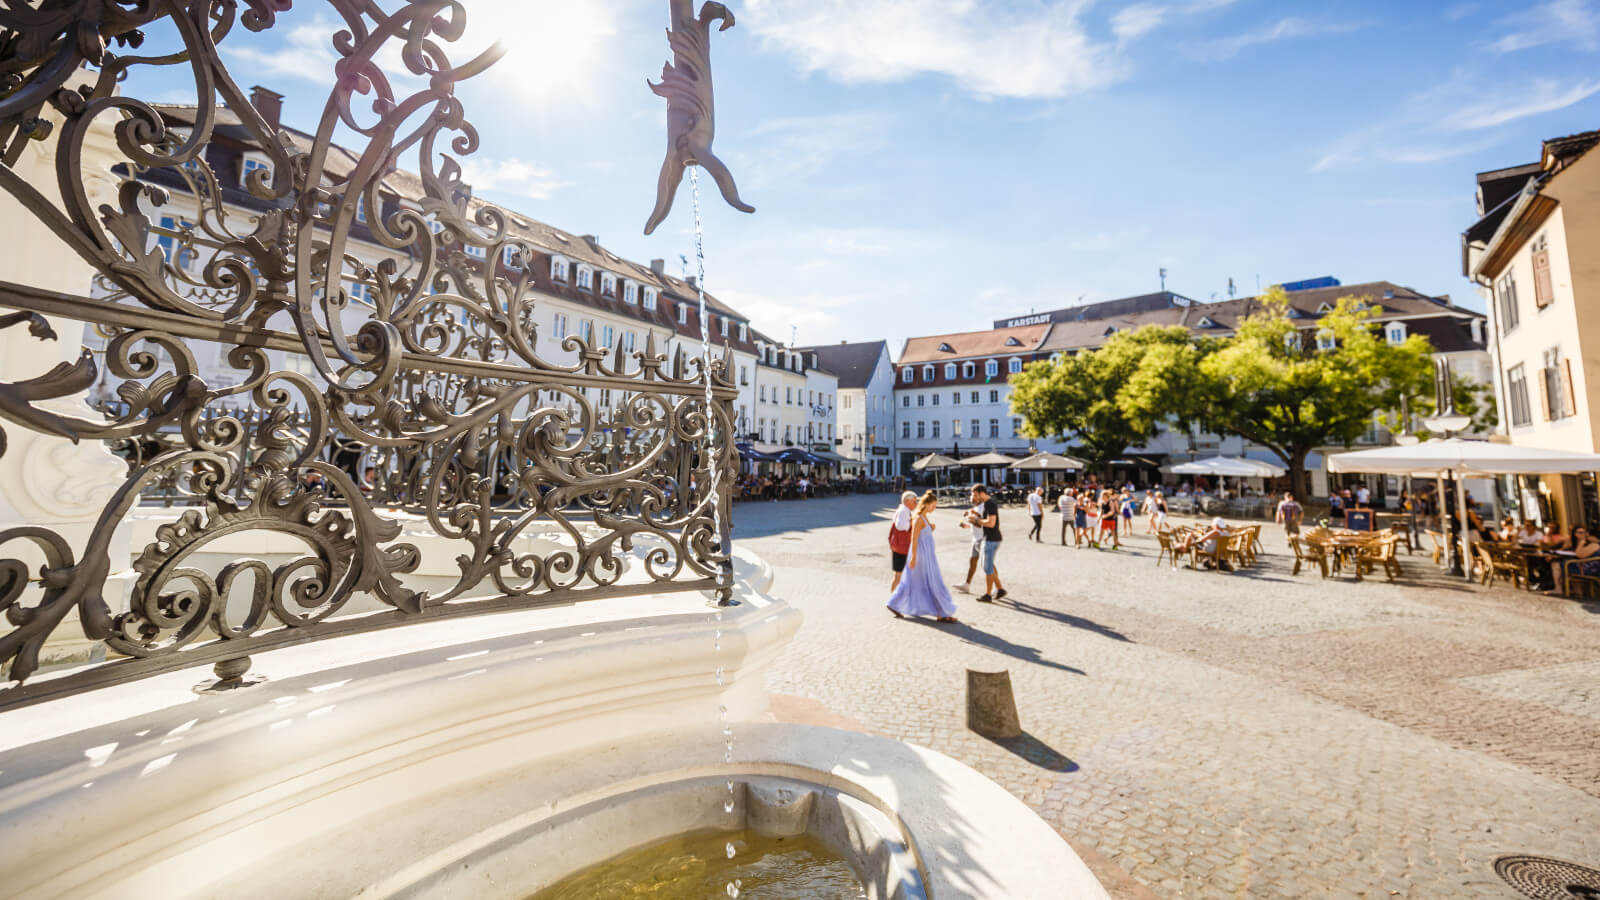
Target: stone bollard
[{"x": 991, "y": 708}]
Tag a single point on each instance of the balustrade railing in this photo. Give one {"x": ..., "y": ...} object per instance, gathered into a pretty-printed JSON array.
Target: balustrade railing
[{"x": 426, "y": 401}]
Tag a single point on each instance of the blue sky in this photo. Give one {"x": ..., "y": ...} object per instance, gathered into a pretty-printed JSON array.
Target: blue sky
[{"x": 928, "y": 165}]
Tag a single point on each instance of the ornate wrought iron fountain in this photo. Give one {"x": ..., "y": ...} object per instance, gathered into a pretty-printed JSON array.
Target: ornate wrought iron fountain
[{"x": 434, "y": 377}]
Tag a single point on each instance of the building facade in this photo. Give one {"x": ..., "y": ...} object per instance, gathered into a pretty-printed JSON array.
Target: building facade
[
  {"x": 980, "y": 363},
  {"x": 952, "y": 393},
  {"x": 865, "y": 405},
  {"x": 581, "y": 289},
  {"x": 1531, "y": 253}
]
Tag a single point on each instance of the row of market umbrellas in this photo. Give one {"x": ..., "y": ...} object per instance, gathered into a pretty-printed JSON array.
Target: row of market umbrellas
[
  {"x": 1038, "y": 462},
  {"x": 791, "y": 455}
]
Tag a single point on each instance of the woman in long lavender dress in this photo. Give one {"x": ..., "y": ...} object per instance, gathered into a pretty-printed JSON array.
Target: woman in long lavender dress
[{"x": 922, "y": 591}]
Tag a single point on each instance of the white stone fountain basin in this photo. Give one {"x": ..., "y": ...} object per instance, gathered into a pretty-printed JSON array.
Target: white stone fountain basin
[{"x": 384, "y": 764}]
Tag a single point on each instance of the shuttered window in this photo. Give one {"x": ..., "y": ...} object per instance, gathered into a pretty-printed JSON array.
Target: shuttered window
[{"x": 1544, "y": 292}]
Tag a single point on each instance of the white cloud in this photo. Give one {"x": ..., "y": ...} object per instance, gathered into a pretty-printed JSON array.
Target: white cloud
[
  {"x": 510, "y": 176},
  {"x": 797, "y": 147},
  {"x": 1284, "y": 29},
  {"x": 1542, "y": 96},
  {"x": 1134, "y": 21},
  {"x": 1034, "y": 50},
  {"x": 1555, "y": 22},
  {"x": 1455, "y": 118}
]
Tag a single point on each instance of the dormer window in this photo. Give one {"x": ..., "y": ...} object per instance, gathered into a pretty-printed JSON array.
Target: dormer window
[
  {"x": 1015, "y": 366},
  {"x": 967, "y": 370},
  {"x": 608, "y": 285},
  {"x": 683, "y": 313},
  {"x": 510, "y": 257},
  {"x": 1388, "y": 294},
  {"x": 1396, "y": 332},
  {"x": 558, "y": 269},
  {"x": 649, "y": 298},
  {"x": 1324, "y": 309},
  {"x": 586, "y": 278},
  {"x": 724, "y": 326},
  {"x": 744, "y": 331},
  {"x": 927, "y": 373},
  {"x": 946, "y": 348},
  {"x": 1013, "y": 342},
  {"x": 906, "y": 375},
  {"x": 1205, "y": 322},
  {"x": 251, "y": 164},
  {"x": 991, "y": 368},
  {"x": 361, "y": 208},
  {"x": 1109, "y": 332},
  {"x": 950, "y": 370},
  {"x": 476, "y": 251},
  {"x": 630, "y": 292}
]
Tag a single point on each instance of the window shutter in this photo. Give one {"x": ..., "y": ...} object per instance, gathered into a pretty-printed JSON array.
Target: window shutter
[
  {"x": 1569, "y": 399},
  {"x": 1544, "y": 394},
  {"x": 1543, "y": 290}
]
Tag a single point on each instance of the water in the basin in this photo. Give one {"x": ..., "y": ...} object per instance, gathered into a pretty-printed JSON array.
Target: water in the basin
[{"x": 696, "y": 867}]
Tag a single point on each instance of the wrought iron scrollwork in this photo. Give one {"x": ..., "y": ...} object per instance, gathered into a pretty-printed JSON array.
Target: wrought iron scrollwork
[{"x": 426, "y": 407}]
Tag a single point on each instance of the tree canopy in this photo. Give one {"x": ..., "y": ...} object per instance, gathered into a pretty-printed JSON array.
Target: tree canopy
[
  {"x": 1111, "y": 398},
  {"x": 1272, "y": 383}
]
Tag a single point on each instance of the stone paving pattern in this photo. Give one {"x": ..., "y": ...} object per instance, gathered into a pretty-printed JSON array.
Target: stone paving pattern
[{"x": 1248, "y": 735}]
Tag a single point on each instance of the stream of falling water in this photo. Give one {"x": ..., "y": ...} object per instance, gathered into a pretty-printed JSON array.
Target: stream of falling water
[{"x": 724, "y": 544}]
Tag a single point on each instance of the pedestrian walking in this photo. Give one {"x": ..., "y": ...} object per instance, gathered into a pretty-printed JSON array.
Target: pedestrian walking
[
  {"x": 900, "y": 536},
  {"x": 1161, "y": 511},
  {"x": 1148, "y": 510},
  {"x": 987, "y": 519},
  {"x": 1126, "y": 505},
  {"x": 1068, "y": 504},
  {"x": 922, "y": 592},
  {"x": 1289, "y": 515},
  {"x": 977, "y": 536},
  {"x": 1036, "y": 510}
]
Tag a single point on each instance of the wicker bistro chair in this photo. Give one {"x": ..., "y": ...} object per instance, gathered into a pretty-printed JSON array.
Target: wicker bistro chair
[
  {"x": 1580, "y": 583},
  {"x": 1309, "y": 551},
  {"x": 1380, "y": 552},
  {"x": 1437, "y": 539},
  {"x": 1168, "y": 539},
  {"x": 1503, "y": 562}
]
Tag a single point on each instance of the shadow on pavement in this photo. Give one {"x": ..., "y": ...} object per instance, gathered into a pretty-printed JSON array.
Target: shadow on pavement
[
  {"x": 1065, "y": 619},
  {"x": 993, "y": 642},
  {"x": 1037, "y": 752},
  {"x": 763, "y": 518}
]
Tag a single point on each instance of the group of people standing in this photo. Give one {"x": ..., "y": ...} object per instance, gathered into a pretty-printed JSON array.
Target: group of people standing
[
  {"x": 1096, "y": 516},
  {"x": 918, "y": 588}
]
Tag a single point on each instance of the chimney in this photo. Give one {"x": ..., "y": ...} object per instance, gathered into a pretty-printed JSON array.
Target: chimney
[
  {"x": 592, "y": 240},
  {"x": 658, "y": 266},
  {"x": 690, "y": 280},
  {"x": 268, "y": 103}
]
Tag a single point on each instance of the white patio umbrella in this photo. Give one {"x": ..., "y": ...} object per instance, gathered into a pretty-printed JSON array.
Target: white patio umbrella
[
  {"x": 1228, "y": 465},
  {"x": 1045, "y": 461},
  {"x": 936, "y": 462},
  {"x": 1456, "y": 457}
]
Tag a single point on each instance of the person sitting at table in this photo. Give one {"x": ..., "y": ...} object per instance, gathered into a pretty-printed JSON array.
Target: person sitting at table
[
  {"x": 1553, "y": 539},
  {"x": 1207, "y": 541},
  {"x": 1528, "y": 535}
]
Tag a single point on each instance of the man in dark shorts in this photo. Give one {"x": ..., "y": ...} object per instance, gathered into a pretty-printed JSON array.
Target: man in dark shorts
[
  {"x": 900, "y": 536},
  {"x": 987, "y": 517}
]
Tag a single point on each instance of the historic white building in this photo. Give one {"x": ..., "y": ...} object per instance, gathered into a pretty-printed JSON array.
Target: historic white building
[{"x": 865, "y": 409}]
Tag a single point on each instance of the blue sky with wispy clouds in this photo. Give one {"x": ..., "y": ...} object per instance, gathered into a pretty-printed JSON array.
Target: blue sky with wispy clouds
[{"x": 928, "y": 165}]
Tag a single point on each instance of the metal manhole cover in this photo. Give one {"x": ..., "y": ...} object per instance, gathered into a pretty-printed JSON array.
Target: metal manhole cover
[{"x": 1543, "y": 878}]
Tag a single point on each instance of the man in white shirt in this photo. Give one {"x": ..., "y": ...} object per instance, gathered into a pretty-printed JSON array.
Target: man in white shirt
[
  {"x": 1036, "y": 510},
  {"x": 900, "y": 536},
  {"x": 1363, "y": 496}
]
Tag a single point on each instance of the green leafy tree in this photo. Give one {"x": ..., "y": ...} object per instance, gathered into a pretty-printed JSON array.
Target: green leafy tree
[
  {"x": 1111, "y": 398},
  {"x": 1271, "y": 385}
]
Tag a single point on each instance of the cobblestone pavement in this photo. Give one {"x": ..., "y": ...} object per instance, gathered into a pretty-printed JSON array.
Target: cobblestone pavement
[{"x": 1222, "y": 735}]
